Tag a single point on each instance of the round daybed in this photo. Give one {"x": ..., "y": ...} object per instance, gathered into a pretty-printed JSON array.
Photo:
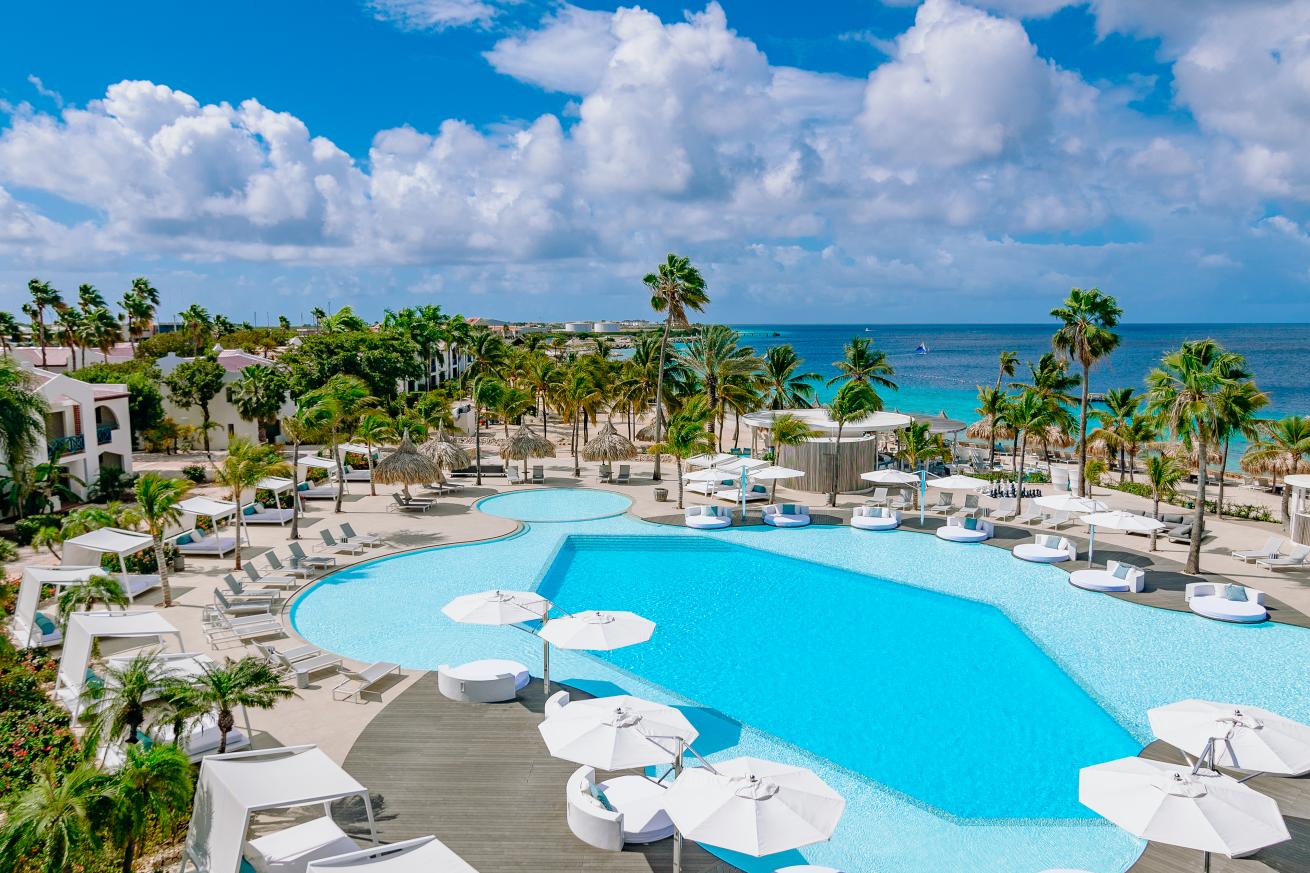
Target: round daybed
[
  {"x": 965, "y": 530},
  {"x": 707, "y": 517},
  {"x": 875, "y": 518},
  {"x": 488, "y": 681},
  {"x": 1235, "y": 603},
  {"x": 786, "y": 515},
  {"x": 1046, "y": 549},
  {"x": 1115, "y": 578},
  {"x": 625, "y": 809}
]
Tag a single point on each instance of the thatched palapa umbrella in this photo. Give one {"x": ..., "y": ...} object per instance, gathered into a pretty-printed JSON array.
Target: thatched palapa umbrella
[
  {"x": 982, "y": 430},
  {"x": 447, "y": 454},
  {"x": 406, "y": 466},
  {"x": 647, "y": 433},
  {"x": 525, "y": 444},
  {"x": 609, "y": 445}
]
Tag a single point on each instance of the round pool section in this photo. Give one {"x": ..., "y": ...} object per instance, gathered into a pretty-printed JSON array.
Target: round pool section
[{"x": 555, "y": 504}]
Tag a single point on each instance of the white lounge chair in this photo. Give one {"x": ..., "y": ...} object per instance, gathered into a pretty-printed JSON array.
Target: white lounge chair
[
  {"x": 232, "y": 606},
  {"x": 945, "y": 503},
  {"x": 413, "y": 504},
  {"x": 1057, "y": 520},
  {"x": 324, "y": 491},
  {"x": 487, "y": 681},
  {"x": 275, "y": 564},
  {"x": 196, "y": 542},
  {"x": 300, "y": 559},
  {"x": 348, "y": 535},
  {"x": 626, "y": 809},
  {"x": 1297, "y": 558},
  {"x": 1235, "y": 603},
  {"x": 539, "y": 474},
  {"x": 513, "y": 475},
  {"x": 356, "y": 475},
  {"x": 1272, "y": 548},
  {"x": 291, "y": 849},
  {"x": 786, "y": 515},
  {"x": 970, "y": 508},
  {"x": 224, "y": 628},
  {"x": 877, "y": 498},
  {"x": 330, "y": 544},
  {"x": 277, "y": 657},
  {"x": 363, "y": 680},
  {"x": 1006, "y": 509},
  {"x": 258, "y": 513},
  {"x": 240, "y": 591},
  {"x": 305, "y": 667},
  {"x": 270, "y": 580},
  {"x": 965, "y": 530},
  {"x": 875, "y": 518},
  {"x": 1046, "y": 549},
  {"x": 707, "y": 517},
  {"x": 1030, "y": 516},
  {"x": 1116, "y": 577}
]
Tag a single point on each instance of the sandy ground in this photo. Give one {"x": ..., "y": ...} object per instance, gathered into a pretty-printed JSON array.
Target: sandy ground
[{"x": 313, "y": 717}]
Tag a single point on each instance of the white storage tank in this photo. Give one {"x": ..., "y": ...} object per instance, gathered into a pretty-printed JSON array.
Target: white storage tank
[
  {"x": 605, "y": 327},
  {"x": 577, "y": 327}
]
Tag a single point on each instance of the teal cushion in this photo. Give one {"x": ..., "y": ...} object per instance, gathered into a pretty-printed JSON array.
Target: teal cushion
[
  {"x": 726, "y": 482},
  {"x": 92, "y": 680},
  {"x": 303, "y": 486},
  {"x": 146, "y": 741},
  {"x": 971, "y": 523},
  {"x": 759, "y": 489},
  {"x": 598, "y": 793},
  {"x": 184, "y": 539},
  {"x": 44, "y": 624},
  {"x": 1122, "y": 570},
  {"x": 1235, "y": 592}
]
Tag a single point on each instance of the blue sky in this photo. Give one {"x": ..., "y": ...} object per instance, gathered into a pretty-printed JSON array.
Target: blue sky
[{"x": 863, "y": 160}]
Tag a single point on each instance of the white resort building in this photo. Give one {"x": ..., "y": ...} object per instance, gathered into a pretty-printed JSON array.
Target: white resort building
[{"x": 221, "y": 411}]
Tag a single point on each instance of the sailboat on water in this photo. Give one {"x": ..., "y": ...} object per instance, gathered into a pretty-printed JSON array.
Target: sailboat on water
[{"x": 922, "y": 348}]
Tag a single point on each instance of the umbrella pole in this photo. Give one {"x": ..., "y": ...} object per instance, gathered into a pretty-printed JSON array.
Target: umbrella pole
[
  {"x": 1205, "y": 862},
  {"x": 677, "y": 851},
  {"x": 1091, "y": 543},
  {"x": 923, "y": 493},
  {"x": 545, "y": 665}
]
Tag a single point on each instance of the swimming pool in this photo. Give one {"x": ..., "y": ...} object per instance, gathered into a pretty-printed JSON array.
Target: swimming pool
[
  {"x": 1021, "y": 660},
  {"x": 549, "y": 505}
]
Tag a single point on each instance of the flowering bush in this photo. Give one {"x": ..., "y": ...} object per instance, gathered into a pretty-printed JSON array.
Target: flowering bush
[{"x": 32, "y": 728}]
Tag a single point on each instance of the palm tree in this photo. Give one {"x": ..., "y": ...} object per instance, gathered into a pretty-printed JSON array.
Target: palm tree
[
  {"x": 1026, "y": 414},
  {"x": 1185, "y": 394},
  {"x": 487, "y": 357},
  {"x": 1008, "y": 362},
  {"x": 22, "y": 416},
  {"x": 686, "y": 437},
  {"x": 1282, "y": 444},
  {"x": 248, "y": 683},
  {"x": 151, "y": 788},
  {"x": 1163, "y": 473},
  {"x": 55, "y": 822},
  {"x": 118, "y": 707},
  {"x": 1086, "y": 336},
  {"x": 374, "y": 428},
  {"x": 1049, "y": 379},
  {"x": 513, "y": 403},
  {"x": 854, "y": 401},
  {"x": 101, "y": 330},
  {"x": 990, "y": 403},
  {"x": 918, "y": 445},
  {"x": 43, "y": 297},
  {"x": 1121, "y": 406},
  {"x": 258, "y": 394},
  {"x": 69, "y": 322},
  {"x": 861, "y": 362},
  {"x": 716, "y": 358},
  {"x": 1137, "y": 433},
  {"x": 8, "y": 330},
  {"x": 338, "y": 405},
  {"x": 246, "y": 465},
  {"x": 308, "y": 424},
  {"x": 158, "y": 499},
  {"x": 139, "y": 303},
  {"x": 1238, "y": 405},
  {"x": 198, "y": 325},
  {"x": 784, "y": 387},
  {"x": 788, "y": 430},
  {"x": 540, "y": 374},
  {"x": 675, "y": 287},
  {"x": 85, "y": 595}
]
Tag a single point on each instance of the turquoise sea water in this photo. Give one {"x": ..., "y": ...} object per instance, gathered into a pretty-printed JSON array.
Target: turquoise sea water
[{"x": 835, "y": 649}]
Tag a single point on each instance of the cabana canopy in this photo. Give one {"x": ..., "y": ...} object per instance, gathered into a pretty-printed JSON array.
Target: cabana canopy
[
  {"x": 316, "y": 461},
  {"x": 87, "y": 549},
  {"x": 422, "y": 855},
  {"x": 84, "y": 628},
  {"x": 215, "y": 509},
  {"x": 233, "y": 786},
  {"x": 276, "y": 484},
  {"x": 29, "y": 594},
  {"x": 358, "y": 449}
]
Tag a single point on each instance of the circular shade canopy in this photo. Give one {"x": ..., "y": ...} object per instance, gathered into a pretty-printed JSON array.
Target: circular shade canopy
[
  {"x": 1120, "y": 520},
  {"x": 959, "y": 483},
  {"x": 939, "y": 423},
  {"x": 1070, "y": 503},
  {"x": 616, "y": 733},
  {"x": 891, "y": 477},
  {"x": 817, "y": 419},
  {"x": 1246, "y": 737},
  {"x": 597, "y": 631},
  {"x": 753, "y": 806},
  {"x": 1166, "y": 803}
]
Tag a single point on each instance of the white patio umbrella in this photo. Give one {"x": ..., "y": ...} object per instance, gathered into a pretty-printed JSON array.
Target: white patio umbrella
[
  {"x": 499, "y": 607},
  {"x": 1117, "y": 520},
  {"x": 1070, "y": 503},
  {"x": 769, "y": 474},
  {"x": 617, "y": 733},
  {"x": 1167, "y": 803},
  {"x": 752, "y": 806},
  {"x": 959, "y": 482},
  {"x": 1241, "y": 737},
  {"x": 596, "y": 630},
  {"x": 900, "y": 477}
]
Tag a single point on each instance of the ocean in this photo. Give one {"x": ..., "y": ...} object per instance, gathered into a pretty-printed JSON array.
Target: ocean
[{"x": 960, "y": 358}]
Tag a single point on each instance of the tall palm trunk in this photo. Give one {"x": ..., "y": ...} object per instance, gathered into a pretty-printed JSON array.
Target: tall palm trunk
[
  {"x": 160, "y": 566},
  {"x": 295, "y": 489},
  {"x": 341, "y": 472},
  {"x": 477, "y": 433},
  {"x": 1083, "y": 488},
  {"x": 1021, "y": 442},
  {"x": 677, "y": 459},
  {"x": 659, "y": 395},
  {"x": 226, "y": 721},
  {"x": 236, "y": 526},
  {"x": 1223, "y": 477},
  {"x": 1193, "y": 566},
  {"x": 836, "y": 465}
]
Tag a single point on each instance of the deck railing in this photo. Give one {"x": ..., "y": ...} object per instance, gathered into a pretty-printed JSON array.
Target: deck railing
[
  {"x": 105, "y": 433},
  {"x": 68, "y": 445}
]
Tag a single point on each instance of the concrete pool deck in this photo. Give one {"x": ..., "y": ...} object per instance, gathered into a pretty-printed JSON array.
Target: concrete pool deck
[{"x": 337, "y": 727}]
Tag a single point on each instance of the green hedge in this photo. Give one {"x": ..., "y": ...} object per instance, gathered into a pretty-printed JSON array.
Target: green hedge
[
  {"x": 33, "y": 729},
  {"x": 26, "y": 528},
  {"x": 1138, "y": 488}
]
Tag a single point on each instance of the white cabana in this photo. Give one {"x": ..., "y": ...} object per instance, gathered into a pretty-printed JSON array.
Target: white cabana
[
  {"x": 233, "y": 787},
  {"x": 278, "y": 486},
  {"x": 214, "y": 510},
  {"x": 84, "y": 628},
  {"x": 90, "y": 547},
  {"x": 712, "y": 459},
  {"x": 25, "y": 626},
  {"x": 316, "y": 461},
  {"x": 423, "y": 855}
]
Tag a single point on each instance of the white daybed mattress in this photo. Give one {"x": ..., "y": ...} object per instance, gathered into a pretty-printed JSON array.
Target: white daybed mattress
[
  {"x": 290, "y": 850},
  {"x": 1040, "y": 554}
]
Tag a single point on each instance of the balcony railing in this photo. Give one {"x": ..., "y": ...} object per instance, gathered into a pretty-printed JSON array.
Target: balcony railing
[
  {"x": 105, "y": 433},
  {"x": 68, "y": 445}
]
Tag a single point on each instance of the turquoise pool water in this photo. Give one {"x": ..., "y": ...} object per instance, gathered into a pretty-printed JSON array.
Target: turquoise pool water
[
  {"x": 927, "y": 705},
  {"x": 546, "y": 505}
]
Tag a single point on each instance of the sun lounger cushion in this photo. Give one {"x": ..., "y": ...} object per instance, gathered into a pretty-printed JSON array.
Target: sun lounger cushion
[
  {"x": 45, "y": 625},
  {"x": 1121, "y": 571},
  {"x": 875, "y": 518},
  {"x": 971, "y": 524},
  {"x": 1235, "y": 593},
  {"x": 183, "y": 540}
]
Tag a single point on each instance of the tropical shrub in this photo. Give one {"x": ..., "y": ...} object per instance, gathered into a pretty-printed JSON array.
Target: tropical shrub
[
  {"x": 197, "y": 473},
  {"x": 26, "y": 528},
  {"x": 141, "y": 562},
  {"x": 33, "y": 729},
  {"x": 1141, "y": 489}
]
